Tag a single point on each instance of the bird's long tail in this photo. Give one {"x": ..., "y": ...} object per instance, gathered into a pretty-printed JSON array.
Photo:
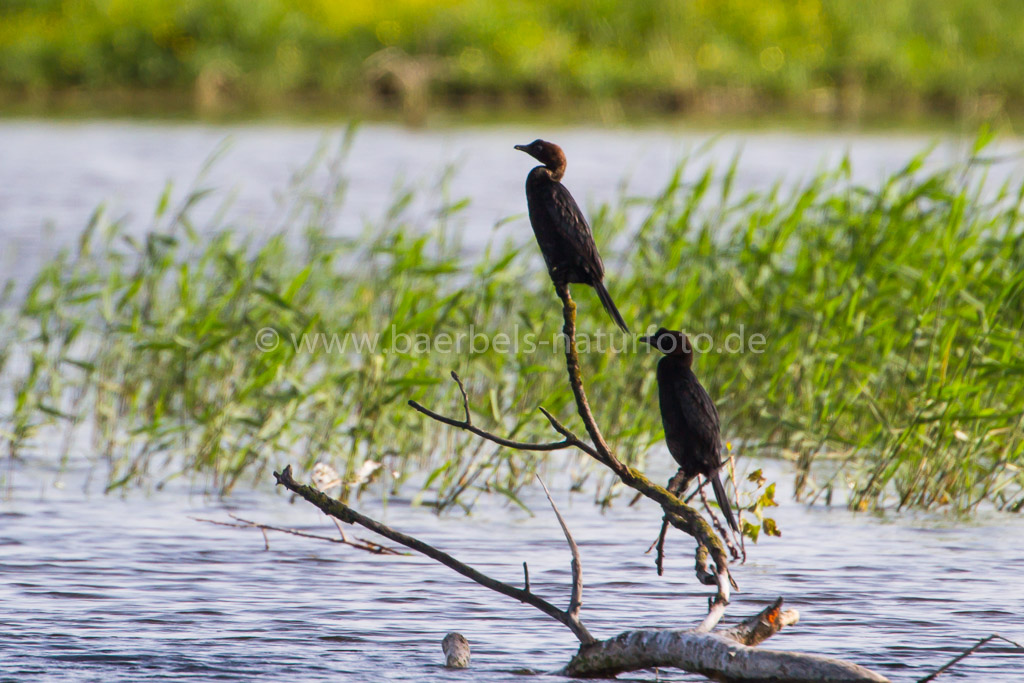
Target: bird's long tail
[
  {"x": 723, "y": 500},
  {"x": 609, "y": 305}
]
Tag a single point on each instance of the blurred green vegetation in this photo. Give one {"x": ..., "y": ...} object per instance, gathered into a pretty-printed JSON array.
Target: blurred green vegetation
[
  {"x": 893, "y": 316},
  {"x": 817, "y": 56}
]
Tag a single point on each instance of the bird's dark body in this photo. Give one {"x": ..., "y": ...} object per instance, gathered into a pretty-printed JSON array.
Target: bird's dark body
[
  {"x": 692, "y": 429},
  {"x": 690, "y": 419},
  {"x": 562, "y": 232}
]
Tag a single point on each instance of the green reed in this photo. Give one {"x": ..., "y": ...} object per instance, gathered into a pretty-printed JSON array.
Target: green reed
[{"x": 890, "y": 374}]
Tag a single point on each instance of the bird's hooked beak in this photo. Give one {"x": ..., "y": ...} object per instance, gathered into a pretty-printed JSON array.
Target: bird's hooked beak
[{"x": 647, "y": 340}]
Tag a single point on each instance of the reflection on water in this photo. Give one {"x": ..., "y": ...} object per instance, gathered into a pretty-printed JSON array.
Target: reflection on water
[{"x": 100, "y": 588}]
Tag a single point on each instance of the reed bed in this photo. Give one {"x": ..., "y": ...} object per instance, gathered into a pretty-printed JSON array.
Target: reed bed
[{"x": 891, "y": 369}]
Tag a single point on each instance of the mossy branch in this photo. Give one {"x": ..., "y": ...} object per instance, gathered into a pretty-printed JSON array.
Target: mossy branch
[{"x": 677, "y": 513}]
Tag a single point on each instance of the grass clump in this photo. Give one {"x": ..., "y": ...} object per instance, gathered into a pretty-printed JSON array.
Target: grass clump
[{"x": 892, "y": 319}]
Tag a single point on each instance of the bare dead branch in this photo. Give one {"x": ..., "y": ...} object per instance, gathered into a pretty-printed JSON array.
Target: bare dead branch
[
  {"x": 336, "y": 508},
  {"x": 722, "y": 656},
  {"x": 971, "y": 650},
  {"x": 719, "y": 526},
  {"x": 696, "y": 650},
  {"x": 702, "y": 568},
  {"x": 710, "y": 654},
  {"x": 572, "y": 364},
  {"x": 679, "y": 514},
  {"x": 576, "y": 598},
  {"x": 739, "y": 508},
  {"x": 677, "y": 485},
  {"x": 570, "y": 437},
  {"x": 763, "y": 625},
  {"x": 465, "y": 397},
  {"x": 659, "y": 545},
  {"x": 360, "y": 543},
  {"x": 456, "y": 651},
  {"x": 467, "y": 424}
]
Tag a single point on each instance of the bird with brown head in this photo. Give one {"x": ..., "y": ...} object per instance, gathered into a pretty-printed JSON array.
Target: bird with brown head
[{"x": 562, "y": 232}]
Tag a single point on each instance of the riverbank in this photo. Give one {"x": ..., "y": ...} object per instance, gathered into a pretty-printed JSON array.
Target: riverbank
[
  {"x": 958, "y": 60},
  {"x": 823, "y": 111}
]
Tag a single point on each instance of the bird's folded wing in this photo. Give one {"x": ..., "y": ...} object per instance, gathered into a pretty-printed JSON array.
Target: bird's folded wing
[{"x": 573, "y": 228}]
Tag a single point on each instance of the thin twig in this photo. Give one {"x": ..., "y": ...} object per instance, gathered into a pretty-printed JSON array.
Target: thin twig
[
  {"x": 659, "y": 560},
  {"x": 570, "y": 437},
  {"x": 719, "y": 526},
  {"x": 526, "y": 578},
  {"x": 467, "y": 424},
  {"x": 360, "y": 543},
  {"x": 677, "y": 484},
  {"x": 967, "y": 653},
  {"x": 340, "y": 530},
  {"x": 465, "y": 397},
  {"x": 576, "y": 598},
  {"x": 739, "y": 508},
  {"x": 336, "y": 508}
]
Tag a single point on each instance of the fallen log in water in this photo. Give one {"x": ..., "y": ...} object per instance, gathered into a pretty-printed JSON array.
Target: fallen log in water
[{"x": 726, "y": 655}]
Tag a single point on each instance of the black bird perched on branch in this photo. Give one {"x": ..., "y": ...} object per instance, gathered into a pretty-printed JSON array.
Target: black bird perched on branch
[
  {"x": 562, "y": 232},
  {"x": 688, "y": 414}
]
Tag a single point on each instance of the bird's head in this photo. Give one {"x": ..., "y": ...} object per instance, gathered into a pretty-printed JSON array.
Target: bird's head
[
  {"x": 671, "y": 343},
  {"x": 547, "y": 153}
]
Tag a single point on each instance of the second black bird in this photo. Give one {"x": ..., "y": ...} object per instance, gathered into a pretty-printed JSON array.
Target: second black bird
[
  {"x": 692, "y": 430},
  {"x": 562, "y": 232}
]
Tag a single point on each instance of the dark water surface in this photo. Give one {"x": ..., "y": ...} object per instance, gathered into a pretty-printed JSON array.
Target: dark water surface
[
  {"x": 101, "y": 588},
  {"x": 96, "y": 588}
]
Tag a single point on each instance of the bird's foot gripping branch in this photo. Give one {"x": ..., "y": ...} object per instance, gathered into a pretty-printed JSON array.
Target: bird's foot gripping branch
[{"x": 723, "y": 654}]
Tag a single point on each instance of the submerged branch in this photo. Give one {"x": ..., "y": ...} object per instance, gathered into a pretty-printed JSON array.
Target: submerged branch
[
  {"x": 360, "y": 543},
  {"x": 335, "y": 508},
  {"x": 966, "y": 653}
]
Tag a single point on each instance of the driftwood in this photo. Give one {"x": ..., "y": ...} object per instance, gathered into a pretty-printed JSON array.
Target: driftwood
[
  {"x": 456, "y": 651},
  {"x": 726, "y": 655}
]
